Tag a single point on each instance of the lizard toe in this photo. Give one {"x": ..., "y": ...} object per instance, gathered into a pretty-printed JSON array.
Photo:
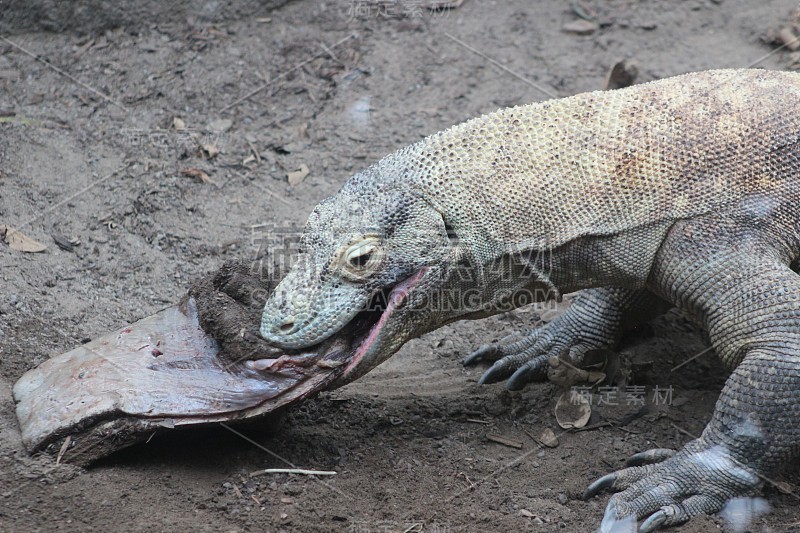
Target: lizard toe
[
  {"x": 655, "y": 521},
  {"x": 485, "y": 352},
  {"x": 533, "y": 370},
  {"x": 655, "y": 455},
  {"x": 619, "y": 480},
  {"x": 679, "y": 513},
  {"x": 495, "y": 373}
]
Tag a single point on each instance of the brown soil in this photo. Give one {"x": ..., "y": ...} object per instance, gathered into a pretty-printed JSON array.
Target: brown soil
[
  {"x": 229, "y": 304},
  {"x": 410, "y": 440}
]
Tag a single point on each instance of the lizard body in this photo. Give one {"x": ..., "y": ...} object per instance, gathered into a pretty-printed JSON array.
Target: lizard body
[{"x": 683, "y": 190}]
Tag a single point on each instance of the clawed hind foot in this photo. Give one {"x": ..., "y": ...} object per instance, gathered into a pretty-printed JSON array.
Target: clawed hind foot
[{"x": 664, "y": 488}]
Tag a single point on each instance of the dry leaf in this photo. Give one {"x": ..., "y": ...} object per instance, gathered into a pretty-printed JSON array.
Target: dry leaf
[
  {"x": 193, "y": 172},
  {"x": 210, "y": 150},
  {"x": 297, "y": 176},
  {"x": 605, "y": 367},
  {"x": 178, "y": 124},
  {"x": 584, "y": 10},
  {"x": 572, "y": 410},
  {"x": 622, "y": 74},
  {"x": 499, "y": 439},
  {"x": 249, "y": 159},
  {"x": 67, "y": 244},
  {"x": 580, "y": 27},
  {"x": 788, "y": 38},
  {"x": 19, "y": 241},
  {"x": 783, "y": 487},
  {"x": 548, "y": 438},
  {"x": 255, "y": 153},
  {"x": 562, "y": 372}
]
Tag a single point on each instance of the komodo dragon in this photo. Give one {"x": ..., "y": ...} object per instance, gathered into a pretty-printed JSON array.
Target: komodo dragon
[{"x": 684, "y": 190}]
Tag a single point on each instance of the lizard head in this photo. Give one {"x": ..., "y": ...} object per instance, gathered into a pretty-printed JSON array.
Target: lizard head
[{"x": 368, "y": 256}]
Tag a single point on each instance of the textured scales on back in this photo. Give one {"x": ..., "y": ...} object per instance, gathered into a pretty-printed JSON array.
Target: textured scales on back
[{"x": 540, "y": 175}]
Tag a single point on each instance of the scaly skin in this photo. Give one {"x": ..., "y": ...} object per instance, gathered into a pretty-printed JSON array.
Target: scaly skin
[{"x": 685, "y": 189}]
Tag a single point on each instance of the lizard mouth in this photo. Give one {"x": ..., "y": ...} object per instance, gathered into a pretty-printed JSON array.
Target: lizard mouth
[
  {"x": 363, "y": 335},
  {"x": 378, "y": 314}
]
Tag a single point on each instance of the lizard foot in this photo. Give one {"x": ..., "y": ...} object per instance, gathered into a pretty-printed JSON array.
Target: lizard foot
[
  {"x": 525, "y": 360},
  {"x": 699, "y": 479}
]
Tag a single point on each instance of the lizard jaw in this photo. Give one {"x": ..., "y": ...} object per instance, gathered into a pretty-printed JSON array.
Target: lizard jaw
[
  {"x": 363, "y": 334},
  {"x": 397, "y": 297}
]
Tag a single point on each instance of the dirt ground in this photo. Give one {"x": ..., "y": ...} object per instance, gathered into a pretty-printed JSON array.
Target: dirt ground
[{"x": 155, "y": 206}]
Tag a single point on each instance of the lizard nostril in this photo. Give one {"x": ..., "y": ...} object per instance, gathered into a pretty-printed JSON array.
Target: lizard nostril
[{"x": 287, "y": 325}]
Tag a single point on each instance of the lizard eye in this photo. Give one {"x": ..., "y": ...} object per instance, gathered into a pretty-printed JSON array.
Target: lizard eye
[{"x": 362, "y": 257}]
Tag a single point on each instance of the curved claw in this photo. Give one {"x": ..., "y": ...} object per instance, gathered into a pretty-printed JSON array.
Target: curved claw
[
  {"x": 655, "y": 521},
  {"x": 599, "y": 485},
  {"x": 533, "y": 370},
  {"x": 656, "y": 455},
  {"x": 520, "y": 378},
  {"x": 494, "y": 374},
  {"x": 485, "y": 352}
]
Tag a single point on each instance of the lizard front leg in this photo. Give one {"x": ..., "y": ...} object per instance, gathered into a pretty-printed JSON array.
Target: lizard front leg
[
  {"x": 749, "y": 299},
  {"x": 596, "y": 319}
]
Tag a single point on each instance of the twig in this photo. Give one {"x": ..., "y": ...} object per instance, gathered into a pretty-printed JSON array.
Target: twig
[
  {"x": 65, "y": 74},
  {"x": 298, "y": 66},
  {"x": 255, "y": 152},
  {"x": 466, "y": 477},
  {"x": 63, "y": 450},
  {"x": 293, "y": 471},
  {"x": 683, "y": 431},
  {"x": 626, "y": 430},
  {"x": 499, "y": 439},
  {"x": 765, "y": 56},
  {"x": 330, "y": 53},
  {"x": 692, "y": 358}
]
